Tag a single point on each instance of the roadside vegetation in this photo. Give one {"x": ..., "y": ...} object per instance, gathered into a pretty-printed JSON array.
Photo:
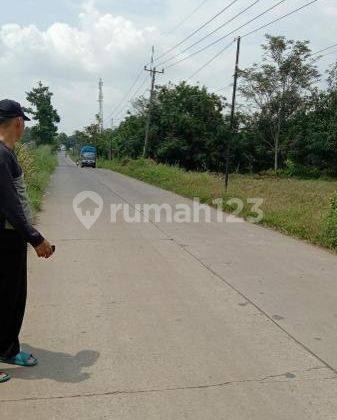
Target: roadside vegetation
[
  {"x": 283, "y": 147},
  {"x": 286, "y": 120},
  {"x": 38, "y": 164},
  {"x": 306, "y": 209},
  {"x": 36, "y": 152}
]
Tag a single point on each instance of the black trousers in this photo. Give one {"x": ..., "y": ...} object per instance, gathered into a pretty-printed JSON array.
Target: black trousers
[{"x": 13, "y": 291}]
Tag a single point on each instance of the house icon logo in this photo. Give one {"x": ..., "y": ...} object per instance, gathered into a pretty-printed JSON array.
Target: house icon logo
[{"x": 88, "y": 207}]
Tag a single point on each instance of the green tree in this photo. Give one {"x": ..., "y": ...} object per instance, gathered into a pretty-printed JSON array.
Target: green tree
[
  {"x": 187, "y": 128},
  {"x": 27, "y": 136},
  {"x": 62, "y": 139},
  {"x": 44, "y": 132},
  {"x": 332, "y": 77},
  {"x": 277, "y": 89},
  {"x": 314, "y": 133},
  {"x": 78, "y": 140},
  {"x": 95, "y": 137},
  {"x": 129, "y": 136}
]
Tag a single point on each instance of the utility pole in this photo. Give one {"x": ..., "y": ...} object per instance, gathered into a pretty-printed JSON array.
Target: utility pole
[
  {"x": 232, "y": 121},
  {"x": 112, "y": 127},
  {"x": 153, "y": 72},
  {"x": 100, "y": 101}
]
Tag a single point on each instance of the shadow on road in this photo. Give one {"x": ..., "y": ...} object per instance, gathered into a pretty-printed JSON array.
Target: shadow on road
[{"x": 60, "y": 367}]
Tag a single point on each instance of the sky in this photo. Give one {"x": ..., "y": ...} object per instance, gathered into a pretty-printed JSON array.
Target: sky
[{"x": 70, "y": 44}]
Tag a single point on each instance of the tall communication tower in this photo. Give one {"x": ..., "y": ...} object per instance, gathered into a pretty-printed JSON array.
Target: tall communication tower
[{"x": 100, "y": 101}]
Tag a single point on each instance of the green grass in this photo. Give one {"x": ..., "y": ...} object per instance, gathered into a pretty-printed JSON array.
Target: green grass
[
  {"x": 300, "y": 208},
  {"x": 38, "y": 165}
]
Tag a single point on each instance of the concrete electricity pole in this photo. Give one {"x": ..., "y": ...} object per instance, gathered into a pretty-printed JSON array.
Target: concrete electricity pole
[
  {"x": 100, "y": 101},
  {"x": 153, "y": 72},
  {"x": 232, "y": 122}
]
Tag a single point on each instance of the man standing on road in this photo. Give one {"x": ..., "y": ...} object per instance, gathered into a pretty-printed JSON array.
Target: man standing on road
[{"x": 16, "y": 231}]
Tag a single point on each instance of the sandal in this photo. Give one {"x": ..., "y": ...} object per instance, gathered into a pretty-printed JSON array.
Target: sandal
[
  {"x": 21, "y": 359},
  {"x": 4, "y": 377}
]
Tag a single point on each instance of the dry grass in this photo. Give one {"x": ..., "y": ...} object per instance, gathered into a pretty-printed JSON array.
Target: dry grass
[
  {"x": 37, "y": 165},
  {"x": 295, "y": 207}
]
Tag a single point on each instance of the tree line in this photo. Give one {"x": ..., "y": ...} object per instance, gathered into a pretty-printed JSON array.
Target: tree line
[{"x": 286, "y": 119}]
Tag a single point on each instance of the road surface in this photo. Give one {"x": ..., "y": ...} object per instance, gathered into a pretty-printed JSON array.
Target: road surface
[{"x": 172, "y": 320}]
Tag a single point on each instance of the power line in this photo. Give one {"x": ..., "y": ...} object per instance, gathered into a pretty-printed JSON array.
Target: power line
[
  {"x": 223, "y": 25},
  {"x": 133, "y": 96},
  {"x": 211, "y": 60},
  {"x": 280, "y": 18},
  {"x": 139, "y": 89},
  {"x": 251, "y": 32},
  {"x": 262, "y": 27},
  {"x": 213, "y": 32},
  {"x": 324, "y": 49},
  {"x": 247, "y": 34},
  {"x": 230, "y": 83},
  {"x": 175, "y": 46},
  {"x": 227, "y": 35},
  {"x": 125, "y": 97},
  {"x": 186, "y": 18},
  {"x": 133, "y": 85},
  {"x": 325, "y": 55},
  {"x": 255, "y": 30},
  {"x": 197, "y": 30}
]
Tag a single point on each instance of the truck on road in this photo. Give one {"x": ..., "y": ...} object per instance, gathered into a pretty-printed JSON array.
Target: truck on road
[{"x": 88, "y": 157}]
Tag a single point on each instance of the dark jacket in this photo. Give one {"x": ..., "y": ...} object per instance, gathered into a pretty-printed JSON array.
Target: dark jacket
[{"x": 11, "y": 204}]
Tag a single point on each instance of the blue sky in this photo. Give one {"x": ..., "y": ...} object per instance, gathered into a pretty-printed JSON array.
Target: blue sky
[{"x": 69, "y": 44}]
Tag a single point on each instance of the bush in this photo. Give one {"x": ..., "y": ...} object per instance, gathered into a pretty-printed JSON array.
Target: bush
[
  {"x": 26, "y": 159},
  {"x": 306, "y": 209},
  {"x": 300, "y": 171},
  {"x": 37, "y": 165},
  {"x": 329, "y": 228}
]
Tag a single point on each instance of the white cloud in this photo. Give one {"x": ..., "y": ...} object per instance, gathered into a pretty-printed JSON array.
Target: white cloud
[
  {"x": 64, "y": 56},
  {"x": 70, "y": 57},
  {"x": 94, "y": 46}
]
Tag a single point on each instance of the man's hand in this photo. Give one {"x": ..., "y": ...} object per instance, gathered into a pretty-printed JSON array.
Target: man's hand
[{"x": 44, "y": 250}]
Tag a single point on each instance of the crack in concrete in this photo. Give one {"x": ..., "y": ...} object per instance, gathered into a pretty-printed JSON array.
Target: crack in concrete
[
  {"x": 286, "y": 374},
  {"x": 182, "y": 388}
]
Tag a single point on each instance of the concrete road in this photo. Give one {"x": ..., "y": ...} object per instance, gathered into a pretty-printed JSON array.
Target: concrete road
[{"x": 172, "y": 320}]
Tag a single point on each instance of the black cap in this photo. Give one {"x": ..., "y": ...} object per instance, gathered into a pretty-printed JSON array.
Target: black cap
[{"x": 11, "y": 109}]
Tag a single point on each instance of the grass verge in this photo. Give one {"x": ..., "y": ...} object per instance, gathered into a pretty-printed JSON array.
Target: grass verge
[
  {"x": 38, "y": 165},
  {"x": 304, "y": 209}
]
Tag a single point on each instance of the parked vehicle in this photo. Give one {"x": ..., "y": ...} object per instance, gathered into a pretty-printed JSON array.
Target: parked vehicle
[{"x": 88, "y": 157}]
